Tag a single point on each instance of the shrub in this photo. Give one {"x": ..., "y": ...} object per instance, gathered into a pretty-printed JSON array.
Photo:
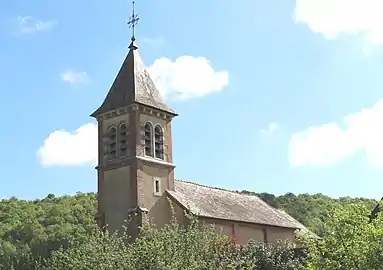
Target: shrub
[{"x": 172, "y": 247}]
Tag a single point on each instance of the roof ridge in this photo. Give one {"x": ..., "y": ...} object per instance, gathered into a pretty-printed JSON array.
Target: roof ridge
[{"x": 217, "y": 188}]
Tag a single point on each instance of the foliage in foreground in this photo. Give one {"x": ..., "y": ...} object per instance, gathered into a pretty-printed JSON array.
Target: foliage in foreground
[
  {"x": 31, "y": 230},
  {"x": 311, "y": 210},
  {"x": 40, "y": 226},
  {"x": 350, "y": 241},
  {"x": 174, "y": 247}
]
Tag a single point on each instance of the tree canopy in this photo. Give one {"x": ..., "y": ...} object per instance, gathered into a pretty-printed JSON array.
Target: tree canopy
[{"x": 60, "y": 232}]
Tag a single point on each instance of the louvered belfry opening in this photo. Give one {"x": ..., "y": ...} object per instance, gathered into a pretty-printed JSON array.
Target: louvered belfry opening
[
  {"x": 112, "y": 145},
  {"x": 159, "y": 142},
  {"x": 149, "y": 140},
  {"x": 123, "y": 139}
]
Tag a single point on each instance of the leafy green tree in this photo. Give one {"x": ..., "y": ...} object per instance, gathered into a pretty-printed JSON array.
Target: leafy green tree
[
  {"x": 31, "y": 230},
  {"x": 311, "y": 210},
  {"x": 261, "y": 256},
  {"x": 349, "y": 242},
  {"x": 99, "y": 251},
  {"x": 196, "y": 246},
  {"x": 173, "y": 247}
]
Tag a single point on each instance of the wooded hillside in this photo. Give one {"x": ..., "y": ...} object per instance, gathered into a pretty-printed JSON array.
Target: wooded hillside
[
  {"x": 40, "y": 226},
  {"x": 44, "y": 224}
]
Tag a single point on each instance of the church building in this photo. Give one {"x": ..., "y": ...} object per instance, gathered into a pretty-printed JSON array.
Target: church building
[{"x": 136, "y": 169}]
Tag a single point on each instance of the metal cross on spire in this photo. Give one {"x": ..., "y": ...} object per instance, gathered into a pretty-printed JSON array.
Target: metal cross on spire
[{"x": 133, "y": 21}]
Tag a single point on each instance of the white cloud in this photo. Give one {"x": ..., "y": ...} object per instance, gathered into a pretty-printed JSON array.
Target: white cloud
[
  {"x": 187, "y": 77},
  {"x": 31, "y": 25},
  {"x": 75, "y": 77},
  {"x": 332, "y": 142},
  {"x": 70, "y": 148},
  {"x": 271, "y": 127},
  {"x": 333, "y": 18}
]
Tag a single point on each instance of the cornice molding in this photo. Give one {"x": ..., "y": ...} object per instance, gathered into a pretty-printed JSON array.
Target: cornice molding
[
  {"x": 136, "y": 107},
  {"x": 115, "y": 164},
  {"x": 152, "y": 162},
  {"x": 148, "y": 161}
]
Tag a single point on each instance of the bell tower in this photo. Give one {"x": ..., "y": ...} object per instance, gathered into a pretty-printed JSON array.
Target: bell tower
[{"x": 135, "y": 162}]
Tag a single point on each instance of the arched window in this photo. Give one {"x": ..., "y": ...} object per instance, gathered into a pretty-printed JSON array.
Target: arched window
[
  {"x": 149, "y": 140},
  {"x": 123, "y": 139},
  {"x": 112, "y": 142},
  {"x": 159, "y": 142}
]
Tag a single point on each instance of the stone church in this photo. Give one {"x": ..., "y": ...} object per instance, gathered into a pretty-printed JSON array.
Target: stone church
[{"x": 136, "y": 169}]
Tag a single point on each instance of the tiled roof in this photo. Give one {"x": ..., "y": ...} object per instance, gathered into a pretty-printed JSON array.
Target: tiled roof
[
  {"x": 133, "y": 84},
  {"x": 230, "y": 205}
]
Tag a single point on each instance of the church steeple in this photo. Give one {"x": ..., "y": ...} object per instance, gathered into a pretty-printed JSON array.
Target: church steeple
[
  {"x": 133, "y": 83},
  {"x": 135, "y": 156}
]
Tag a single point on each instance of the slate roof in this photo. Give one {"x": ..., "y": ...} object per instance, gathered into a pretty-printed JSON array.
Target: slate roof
[
  {"x": 133, "y": 84},
  {"x": 219, "y": 203}
]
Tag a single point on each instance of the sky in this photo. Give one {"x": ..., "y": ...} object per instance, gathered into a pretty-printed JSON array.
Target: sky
[{"x": 272, "y": 96}]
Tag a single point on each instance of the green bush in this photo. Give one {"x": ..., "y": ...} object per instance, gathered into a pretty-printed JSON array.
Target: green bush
[
  {"x": 173, "y": 247},
  {"x": 60, "y": 233},
  {"x": 259, "y": 256}
]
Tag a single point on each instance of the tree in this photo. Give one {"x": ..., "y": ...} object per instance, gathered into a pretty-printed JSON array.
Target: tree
[
  {"x": 349, "y": 242},
  {"x": 262, "y": 256},
  {"x": 98, "y": 251},
  {"x": 195, "y": 247},
  {"x": 173, "y": 247},
  {"x": 31, "y": 230}
]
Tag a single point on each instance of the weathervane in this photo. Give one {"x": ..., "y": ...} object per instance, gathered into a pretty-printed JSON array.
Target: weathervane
[{"x": 133, "y": 21}]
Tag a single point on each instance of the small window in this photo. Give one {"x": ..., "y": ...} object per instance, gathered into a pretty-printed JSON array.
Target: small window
[
  {"x": 159, "y": 142},
  {"x": 157, "y": 186},
  {"x": 149, "y": 140}
]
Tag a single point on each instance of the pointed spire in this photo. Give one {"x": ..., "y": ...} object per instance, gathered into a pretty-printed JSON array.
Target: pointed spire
[{"x": 133, "y": 83}]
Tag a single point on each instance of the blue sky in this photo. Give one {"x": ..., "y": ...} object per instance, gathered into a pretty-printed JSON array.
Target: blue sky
[{"x": 273, "y": 96}]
